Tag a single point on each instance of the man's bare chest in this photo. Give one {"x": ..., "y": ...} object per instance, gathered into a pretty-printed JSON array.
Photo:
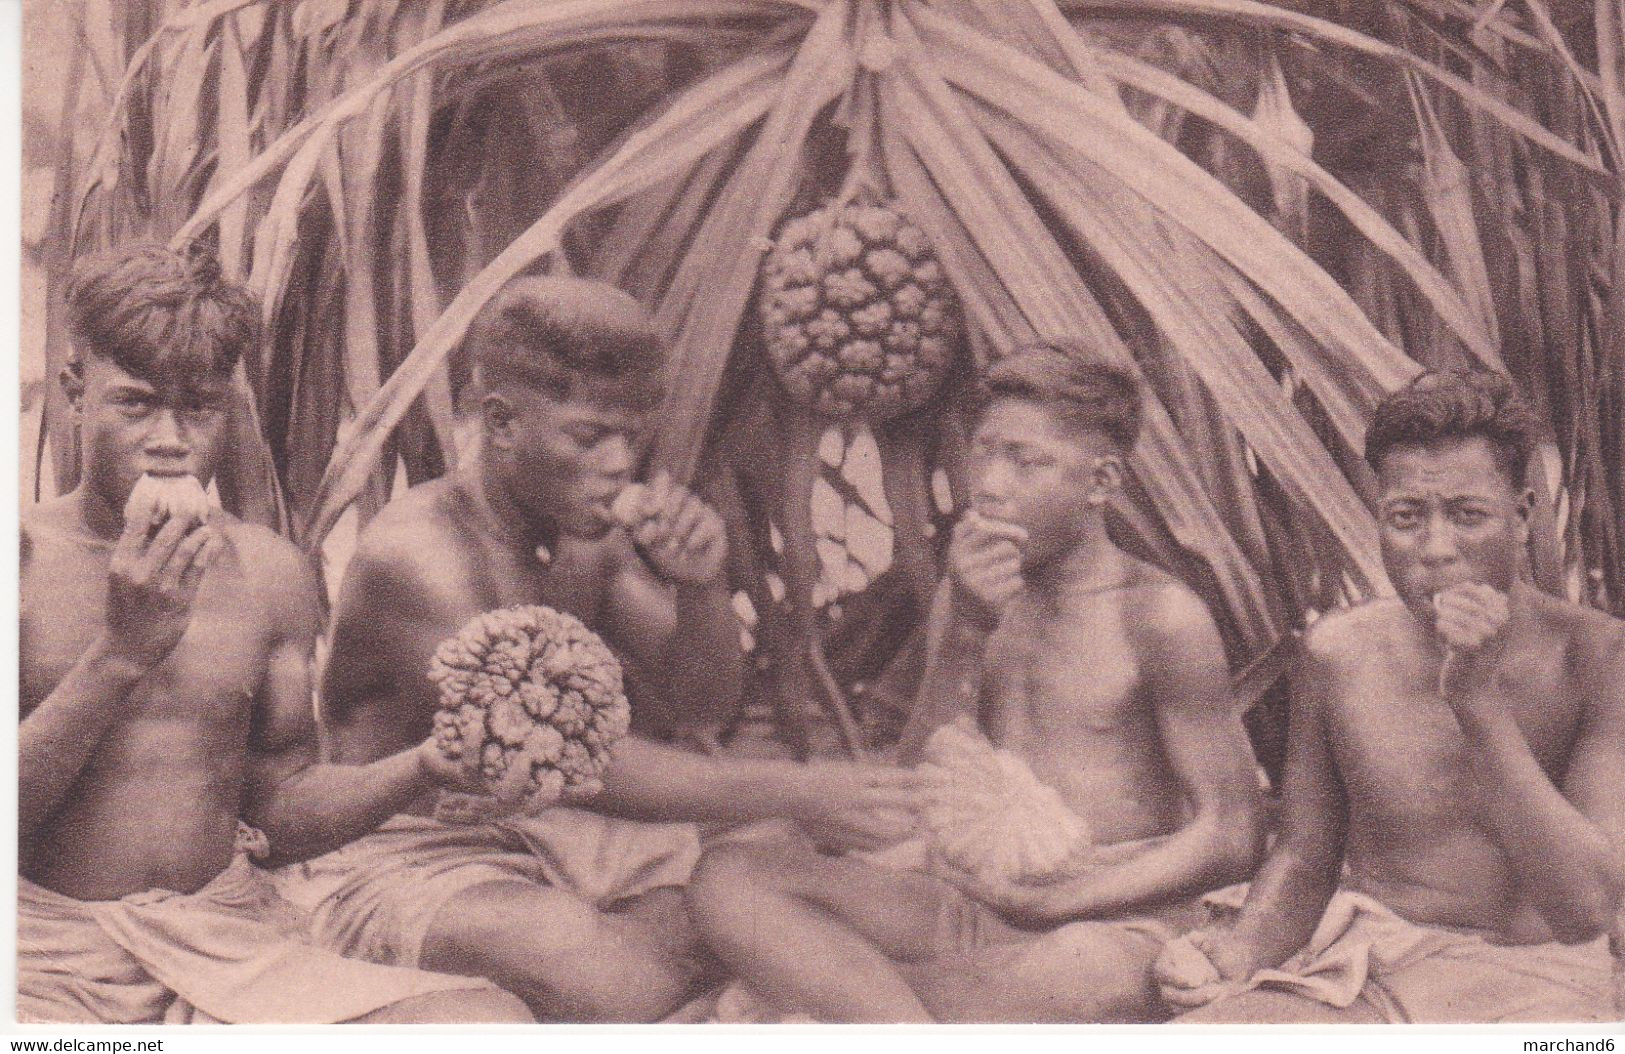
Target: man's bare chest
[
  {"x": 1065, "y": 675},
  {"x": 1396, "y": 740},
  {"x": 219, "y": 662},
  {"x": 566, "y": 581}
]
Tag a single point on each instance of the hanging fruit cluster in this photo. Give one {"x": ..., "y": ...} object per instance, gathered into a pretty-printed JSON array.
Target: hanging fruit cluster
[{"x": 858, "y": 318}]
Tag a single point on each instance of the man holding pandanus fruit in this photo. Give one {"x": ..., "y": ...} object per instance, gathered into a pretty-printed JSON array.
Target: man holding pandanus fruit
[
  {"x": 165, "y": 699},
  {"x": 1101, "y": 780},
  {"x": 579, "y": 908},
  {"x": 1453, "y": 841}
]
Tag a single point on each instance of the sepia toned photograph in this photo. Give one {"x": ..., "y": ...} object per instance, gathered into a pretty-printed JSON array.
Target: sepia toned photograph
[{"x": 822, "y": 512}]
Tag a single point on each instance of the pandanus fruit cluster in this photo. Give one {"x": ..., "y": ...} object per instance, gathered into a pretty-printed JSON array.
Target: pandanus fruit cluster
[{"x": 861, "y": 327}]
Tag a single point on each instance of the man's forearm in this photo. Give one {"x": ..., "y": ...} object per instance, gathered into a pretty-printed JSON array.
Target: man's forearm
[
  {"x": 650, "y": 781},
  {"x": 1284, "y": 905},
  {"x": 1200, "y": 857},
  {"x": 703, "y": 665},
  {"x": 325, "y": 806},
  {"x": 1566, "y": 865},
  {"x": 60, "y": 736}
]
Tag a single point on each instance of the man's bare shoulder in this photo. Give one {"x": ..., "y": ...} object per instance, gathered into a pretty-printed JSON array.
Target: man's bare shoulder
[
  {"x": 410, "y": 549},
  {"x": 56, "y": 517},
  {"x": 1161, "y": 609},
  {"x": 1593, "y": 640},
  {"x": 278, "y": 572},
  {"x": 1353, "y": 634}
]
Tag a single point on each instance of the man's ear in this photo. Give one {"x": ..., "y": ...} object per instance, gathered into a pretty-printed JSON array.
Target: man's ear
[
  {"x": 496, "y": 419},
  {"x": 1105, "y": 478},
  {"x": 1525, "y": 508},
  {"x": 72, "y": 379}
]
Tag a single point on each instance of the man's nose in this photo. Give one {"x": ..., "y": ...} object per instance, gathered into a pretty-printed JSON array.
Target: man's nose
[
  {"x": 992, "y": 485},
  {"x": 615, "y": 458},
  {"x": 166, "y": 435},
  {"x": 1438, "y": 541}
]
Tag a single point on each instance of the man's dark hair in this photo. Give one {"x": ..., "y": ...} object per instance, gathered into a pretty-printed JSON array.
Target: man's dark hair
[
  {"x": 1081, "y": 392},
  {"x": 158, "y": 314},
  {"x": 567, "y": 337},
  {"x": 1456, "y": 404}
]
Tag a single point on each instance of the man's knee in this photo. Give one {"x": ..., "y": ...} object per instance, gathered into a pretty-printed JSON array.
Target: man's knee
[{"x": 726, "y": 880}]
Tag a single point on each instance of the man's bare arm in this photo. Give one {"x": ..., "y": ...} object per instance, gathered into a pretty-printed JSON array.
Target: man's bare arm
[
  {"x": 680, "y": 640},
  {"x": 306, "y": 808},
  {"x": 1187, "y": 685},
  {"x": 151, "y": 585},
  {"x": 1297, "y": 881},
  {"x": 650, "y": 781},
  {"x": 1567, "y": 846}
]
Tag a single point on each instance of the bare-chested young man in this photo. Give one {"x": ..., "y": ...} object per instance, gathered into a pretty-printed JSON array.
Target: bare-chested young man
[
  {"x": 166, "y": 697},
  {"x": 1454, "y": 814},
  {"x": 579, "y": 912},
  {"x": 1108, "y": 679}
]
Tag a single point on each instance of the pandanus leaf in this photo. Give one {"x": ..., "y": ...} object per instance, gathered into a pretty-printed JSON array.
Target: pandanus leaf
[
  {"x": 1169, "y": 273},
  {"x": 507, "y": 30},
  {"x": 1100, "y": 131},
  {"x": 1281, "y": 16}
]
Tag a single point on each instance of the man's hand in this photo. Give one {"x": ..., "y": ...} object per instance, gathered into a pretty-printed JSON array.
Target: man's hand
[
  {"x": 849, "y": 807},
  {"x": 984, "y": 562},
  {"x": 151, "y": 584},
  {"x": 444, "y": 772},
  {"x": 1469, "y": 619},
  {"x": 681, "y": 536},
  {"x": 1200, "y": 967}
]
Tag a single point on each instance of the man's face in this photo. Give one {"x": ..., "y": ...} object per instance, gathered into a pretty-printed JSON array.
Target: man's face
[
  {"x": 130, "y": 426},
  {"x": 1449, "y": 515},
  {"x": 1030, "y": 470},
  {"x": 572, "y": 457}
]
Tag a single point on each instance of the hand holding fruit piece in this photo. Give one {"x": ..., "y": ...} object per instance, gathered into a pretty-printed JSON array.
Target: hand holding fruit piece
[
  {"x": 681, "y": 536},
  {"x": 157, "y": 566}
]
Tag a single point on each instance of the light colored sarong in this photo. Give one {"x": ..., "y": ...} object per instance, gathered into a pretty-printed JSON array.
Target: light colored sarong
[
  {"x": 1435, "y": 975},
  {"x": 377, "y": 897},
  {"x": 232, "y": 952}
]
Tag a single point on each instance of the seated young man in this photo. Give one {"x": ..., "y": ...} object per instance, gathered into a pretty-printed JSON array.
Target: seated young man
[
  {"x": 166, "y": 701},
  {"x": 578, "y": 909},
  {"x": 1106, "y": 677},
  {"x": 1454, "y": 815}
]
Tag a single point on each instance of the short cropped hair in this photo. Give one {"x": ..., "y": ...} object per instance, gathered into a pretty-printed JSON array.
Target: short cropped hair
[
  {"x": 555, "y": 334},
  {"x": 158, "y": 314},
  {"x": 1081, "y": 392},
  {"x": 1457, "y": 404}
]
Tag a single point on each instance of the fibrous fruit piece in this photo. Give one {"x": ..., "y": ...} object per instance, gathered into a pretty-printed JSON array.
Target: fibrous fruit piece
[
  {"x": 532, "y": 701},
  {"x": 154, "y": 499},
  {"x": 633, "y": 504},
  {"x": 857, "y": 315},
  {"x": 988, "y": 814}
]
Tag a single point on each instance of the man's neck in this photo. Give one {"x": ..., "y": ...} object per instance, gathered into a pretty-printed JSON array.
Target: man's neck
[
  {"x": 501, "y": 517},
  {"x": 1089, "y": 563},
  {"x": 99, "y": 519}
]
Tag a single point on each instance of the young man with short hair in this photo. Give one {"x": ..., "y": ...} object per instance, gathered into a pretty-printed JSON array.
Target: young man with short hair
[
  {"x": 578, "y": 909},
  {"x": 166, "y": 703},
  {"x": 1454, "y": 813},
  {"x": 1106, "y": 677}
]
